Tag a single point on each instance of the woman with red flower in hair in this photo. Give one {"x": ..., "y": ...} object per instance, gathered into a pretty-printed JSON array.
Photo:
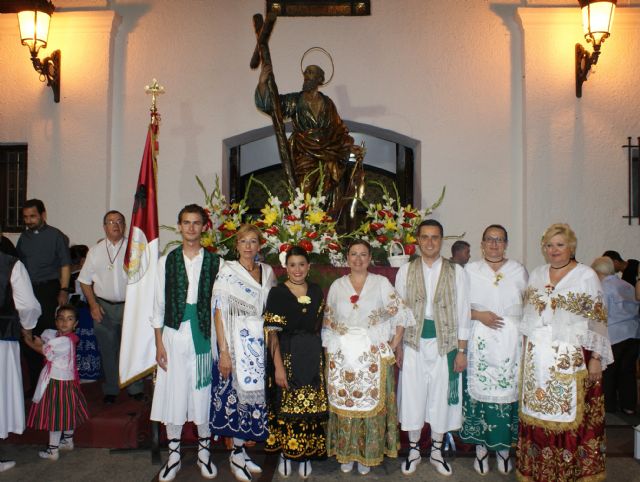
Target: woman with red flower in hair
[{"x": 363, "y": 325}]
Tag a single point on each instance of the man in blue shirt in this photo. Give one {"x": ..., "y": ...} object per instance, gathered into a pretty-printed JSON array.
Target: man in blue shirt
[{"x": 624, "y": 329}]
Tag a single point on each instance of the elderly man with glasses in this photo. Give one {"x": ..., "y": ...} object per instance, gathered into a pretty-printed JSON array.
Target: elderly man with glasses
[{"x": 104, "y": 283}]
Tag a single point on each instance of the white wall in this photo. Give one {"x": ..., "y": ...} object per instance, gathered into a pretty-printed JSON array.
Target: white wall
[{"x": 450, "y": 74}]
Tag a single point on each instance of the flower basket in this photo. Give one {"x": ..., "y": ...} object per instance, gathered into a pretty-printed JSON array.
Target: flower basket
[{"x": 397, "y": 260}]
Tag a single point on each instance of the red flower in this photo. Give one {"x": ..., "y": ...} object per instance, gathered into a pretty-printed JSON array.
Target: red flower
[
  {"x": 306, "y": 245},
  {"x": 410, "y": 249},
  {"x": 290, "y": 217},
  {"x": 211, "y": 249},
  {"x": 312, "y": 235},
  {"x": 376, "y": 226},
  {"x": 272, "y": 230},
  {"x": 259, "y": 224},
  {"x": 284, "y": 247},
  {"x": 303, "y": 207},
  {"x": 333, "y": 246},
  {"x": 410, "y": 215},
  {"x": 221, "y": 227},
  {"x": 406, "y": 225},
  {"x": 285, "y": 204},
  {"x": 354, "y": 299},
  {"x": 381, "y": 213},
  {"x": 382, "y": 239}
]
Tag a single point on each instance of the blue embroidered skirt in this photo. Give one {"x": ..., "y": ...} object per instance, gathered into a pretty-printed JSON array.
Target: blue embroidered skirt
[
  {"x": 87, "y": 354},
  {"x": 229, "y": 417}
]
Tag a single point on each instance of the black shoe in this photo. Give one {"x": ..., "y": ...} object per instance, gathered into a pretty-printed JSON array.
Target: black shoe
[
  {"x": 138, "y": 397},
  {"x": 109, "y": 399}
]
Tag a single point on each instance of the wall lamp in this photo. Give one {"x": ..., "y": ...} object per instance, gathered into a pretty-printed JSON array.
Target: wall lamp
[
  {"x": 34, "y": 17},
  {"x": 597, "y": 18}
]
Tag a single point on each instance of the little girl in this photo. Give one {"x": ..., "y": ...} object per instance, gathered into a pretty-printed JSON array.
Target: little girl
[{"x": 58, "y": 404}]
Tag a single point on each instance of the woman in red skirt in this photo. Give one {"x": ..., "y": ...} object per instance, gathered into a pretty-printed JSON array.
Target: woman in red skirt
[{"x": 58, "y": 404}]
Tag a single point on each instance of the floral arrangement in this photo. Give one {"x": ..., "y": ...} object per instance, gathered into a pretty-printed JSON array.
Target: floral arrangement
[
  {"x": 389, "y": 222},
  {"x": 300, "y": 221}
]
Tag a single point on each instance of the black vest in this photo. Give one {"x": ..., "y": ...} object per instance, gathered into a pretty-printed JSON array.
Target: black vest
[{"x": 9, "y": 318}]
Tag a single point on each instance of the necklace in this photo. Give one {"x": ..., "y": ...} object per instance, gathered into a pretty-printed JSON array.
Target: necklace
[
  {"x": 294, "y": 283},
  {"x": 249, "y": 270},
  {"x": 563, "y": 266},
  {"x": 489, "y": 261},
  {"x": 111, "y": 261}
]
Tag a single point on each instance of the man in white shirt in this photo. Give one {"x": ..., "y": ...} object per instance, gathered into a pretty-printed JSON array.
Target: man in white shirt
[
  {"x": 430, "y": 383},
  {"x": 182, "y": 326},
  {"x": 104, "y": 283},
  {"x": 19, "y": 308}
]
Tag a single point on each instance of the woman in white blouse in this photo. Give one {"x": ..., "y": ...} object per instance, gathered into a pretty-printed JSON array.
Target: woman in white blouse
[{"x": 364, "y": 323}]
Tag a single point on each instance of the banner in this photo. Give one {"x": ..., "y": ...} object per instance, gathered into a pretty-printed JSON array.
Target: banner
[{"x": 137, "y": 347}]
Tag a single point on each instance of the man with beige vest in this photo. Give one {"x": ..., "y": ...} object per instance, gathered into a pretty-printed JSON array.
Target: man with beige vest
[{"x": 435, "y": 350}]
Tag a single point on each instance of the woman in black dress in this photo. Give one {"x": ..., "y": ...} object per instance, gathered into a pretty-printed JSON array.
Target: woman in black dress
[{"x": 296, "y": 394}]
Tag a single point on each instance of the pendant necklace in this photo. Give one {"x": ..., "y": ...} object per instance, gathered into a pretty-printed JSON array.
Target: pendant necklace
[{"x": 111, "y": 261}]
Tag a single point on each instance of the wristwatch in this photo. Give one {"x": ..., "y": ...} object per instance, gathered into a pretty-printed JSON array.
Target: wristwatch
[{"x": 462, "y": 350}]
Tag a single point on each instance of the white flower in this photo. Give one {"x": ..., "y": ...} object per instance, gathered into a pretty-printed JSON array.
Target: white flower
[
  {"x": 283, "y": 259},
  {"x": 304, "y": 300}
]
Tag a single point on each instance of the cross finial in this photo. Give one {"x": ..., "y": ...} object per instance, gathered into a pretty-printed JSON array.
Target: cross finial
[{"x": 155, "y": 90}]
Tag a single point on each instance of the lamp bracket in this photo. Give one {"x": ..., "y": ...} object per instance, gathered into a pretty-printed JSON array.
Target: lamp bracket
[
  {"x": 584, "y": 62},
  {"x": 49, "y": 70}
]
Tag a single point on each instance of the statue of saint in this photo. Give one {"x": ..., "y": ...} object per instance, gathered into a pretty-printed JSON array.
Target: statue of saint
[{"x": 319, "y": 138}]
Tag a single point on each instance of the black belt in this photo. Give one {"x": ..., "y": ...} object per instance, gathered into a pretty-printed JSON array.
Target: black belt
[{"x": 111, "y": 302}]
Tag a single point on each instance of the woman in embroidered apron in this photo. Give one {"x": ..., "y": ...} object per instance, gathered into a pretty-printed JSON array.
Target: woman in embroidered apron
[
  {"x": 490, "y": 384},
  {"x": 566, "y": 347},
  {"x": 238, "y": 406},
  {"x": 295, "y": 370},
  {"x": 363, "y": 325}
]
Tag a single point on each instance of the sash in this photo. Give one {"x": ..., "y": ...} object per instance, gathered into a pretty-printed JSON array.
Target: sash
[
  {"x": 248, "y": 357},
  {"x": 357, "y": 375}
]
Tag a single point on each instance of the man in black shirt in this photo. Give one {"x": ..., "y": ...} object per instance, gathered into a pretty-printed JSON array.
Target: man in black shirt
[
  {"x": 44, "y": 250},
  {"x": 6, "y": 246}
]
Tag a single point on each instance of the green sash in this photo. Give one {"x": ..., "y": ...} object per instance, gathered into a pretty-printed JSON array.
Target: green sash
[{"x": 429, "y": 332}]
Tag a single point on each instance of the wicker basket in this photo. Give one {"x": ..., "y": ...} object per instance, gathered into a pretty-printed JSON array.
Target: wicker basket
[{"x": 397, "y": 260}]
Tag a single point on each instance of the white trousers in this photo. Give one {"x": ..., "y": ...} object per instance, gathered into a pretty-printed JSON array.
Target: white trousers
[
  {"x": 175, "y": 398},
  {"x": 423, "y": 390},
  {"x": 11, "y": 398}
]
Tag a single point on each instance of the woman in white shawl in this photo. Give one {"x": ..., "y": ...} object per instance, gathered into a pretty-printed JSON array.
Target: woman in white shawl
[
  {"x": 566, "y": 347},
  {"x": 364, "y": 323},
  {"x": 238, "y": 407},
  {"x": 490, "y": 387}
]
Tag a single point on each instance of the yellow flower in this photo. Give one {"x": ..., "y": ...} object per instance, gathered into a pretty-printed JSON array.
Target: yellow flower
[
  {"x": 270, "y": 215},
  {"x": 235, "y": 206},
  {"x": 294, "y": 228},
  {"x": 390, "y": 225},
  {"x": 292, "y": 444},
  {"x": 304, "y": 300},
  {"x": 230, "y": 225},
  {"x": 409, "y": 238},
  {"x": 206, "y": 240},
  {"x": 316, "y": 217}
]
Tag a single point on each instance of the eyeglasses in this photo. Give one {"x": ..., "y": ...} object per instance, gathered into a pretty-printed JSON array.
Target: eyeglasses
[
  {"x": 119, "y": 222},
  {"x": 495, "y": 240}
]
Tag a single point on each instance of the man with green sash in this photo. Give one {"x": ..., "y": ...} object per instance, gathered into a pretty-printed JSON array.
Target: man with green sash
[
  {"x": 182, "y": 324},
  {"x": 430, "y": 384}
]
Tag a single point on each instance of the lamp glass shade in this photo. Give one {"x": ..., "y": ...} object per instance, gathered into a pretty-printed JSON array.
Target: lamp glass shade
[
  {"x": 597, "y": 18},
  {"x": 34, "y": 28}
]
